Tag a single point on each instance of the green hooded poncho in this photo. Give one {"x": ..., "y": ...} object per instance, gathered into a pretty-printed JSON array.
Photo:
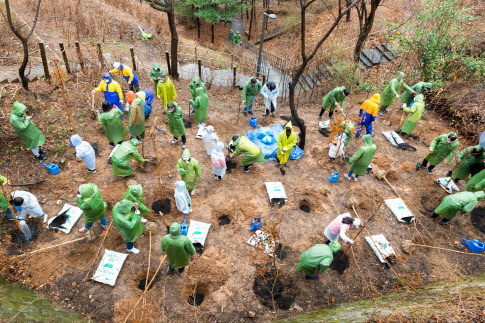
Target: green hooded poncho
[
  {"x": 408, "y": 97},
  {"x": 252, "y": 153},
  {"x": 25, "y": 129},
  {"x": 123, "y": 155},
  {"x": 134, "y": 194},
  {"x": 477, "y": 182},
  {"x": 178, "y": 247},
  {"x": 176, "y": 121},
  {"x": 317, "y": 258},
  {"x": 156, "y": 74},
  {"x": 465, "y": 160},
  {"x": 192, "y": 170},
  {"x": 3, "y": 200},
  {"x": 250, "y": 91},
  {"x": 362, "y": 158},
  {"x": 415, "y": 114},
  {"x": 333, "y": 97},
  {"x": 91, "y": 203},
  {"x": 463, "y": 201},
  {"x": 136, "y": 118},
  {"x": 127, "y": 221},
  {"x": 193, "y": 86},
  {"x": 389, "y": 95},
  {"x": 200, "y": 103},
  {"x": 113, "y": 127},
  {"x": 348, "y": 131},
  {"x": 442, "y": 149}
]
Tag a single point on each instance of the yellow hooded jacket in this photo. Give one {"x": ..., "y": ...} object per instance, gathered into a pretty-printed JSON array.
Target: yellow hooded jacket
[{"x": 285, "y": 144}]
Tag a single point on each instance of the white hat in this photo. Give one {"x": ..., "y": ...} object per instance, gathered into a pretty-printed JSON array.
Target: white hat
[
  {"x": 116, "y": 65},
  {"x": 356, "y": 223}
]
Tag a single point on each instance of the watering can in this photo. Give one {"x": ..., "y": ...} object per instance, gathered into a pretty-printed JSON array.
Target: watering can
[
  {"x": 256, "y": 223},
  {"x": 476, "y": 245},
  {"x": 53, "y": 168},
  {"x": 183, "y": 227},
  {"x": 334, "y": 177},
  {"x": 253, "y": 122}
]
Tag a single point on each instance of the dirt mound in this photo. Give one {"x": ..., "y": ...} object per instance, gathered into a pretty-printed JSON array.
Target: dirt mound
[
  {"x": 408, "y": 166},
  {"x": 340, "y": 265},
  {"x": 281, "y": 293},
  {"x": 165, "y": 208},
  {"x": 478, "y": 218}
]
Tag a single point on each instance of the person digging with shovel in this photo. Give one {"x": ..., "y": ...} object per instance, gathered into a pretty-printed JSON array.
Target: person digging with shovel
[
  {"x": 249, "y": 92},
  {"x": 286, "y": 142},
  {"x": 391, "y": 92},
  {"x": 30, "y": 135},
  {"x": 464, "y": 202},
  {"x": 113, "y": 127},
  {"x": 415, "y": 112},
  {"x": 331, "y": 100},
  {"x": 128, "y": 223},
  {"x": 94, "y": 208},
  {"x": 361, "y": 160},
  {"x": 317, "y": 259},
  {"x": 339, "y": 226},
  {"x": 176, "y": 123},
  {"x": 466, "y": 159},
  {"x": 136, "y": 119},
  {"x": 178, "y": 248},
  {"x": 146, "y": 96},
  {"x": 27, "y": 204},
  {"x": 252, "y": 153},
  {"x": 442, "y": 148},
  {"x": 189, "y": 169},
  {"x": 122, "y": 156}
]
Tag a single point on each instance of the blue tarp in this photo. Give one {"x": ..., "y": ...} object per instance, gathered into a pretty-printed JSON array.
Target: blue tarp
[{"x": 266, "y": 139}]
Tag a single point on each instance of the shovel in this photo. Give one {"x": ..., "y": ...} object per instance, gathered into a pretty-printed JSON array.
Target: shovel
[
  {"x": 93, "y": 113},
  {"x": 144, "y": 35},
  {"x": 418, "y": 165}
]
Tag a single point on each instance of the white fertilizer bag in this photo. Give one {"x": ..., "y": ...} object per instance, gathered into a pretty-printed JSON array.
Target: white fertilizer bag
[
  {"x": 325, "y": 125},
  {"x": 393, "y": 138},
  {"x": 259, "y": 240},
  {"x": 400, "y": 210},
  {"x": 198, "y": 231},
  {"x": 444, "y": 181},
  {"x": 109, "y": 268},
  {"x": 382, "y": 248},
  {"x": 200, "y": 132},
  {"x": 276, "y": 191},
  {"x": 65, "y": 219}
]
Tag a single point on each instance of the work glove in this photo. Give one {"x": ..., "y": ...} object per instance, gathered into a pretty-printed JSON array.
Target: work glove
[
  {"x": 397, "y": 96},
  {"x": 129, "y": 83},
  {"x": 351, "y": 241},
  {"x": 98, "y": 112},
  {"x": 28, "y": 117},
  {"x": 414, "y": 93},
  {"x": 431, "y": 149},
  {"x": 121, "y": 101},
  {"x": 93, "y": 91},
  {"x": 244, "y": 102}
]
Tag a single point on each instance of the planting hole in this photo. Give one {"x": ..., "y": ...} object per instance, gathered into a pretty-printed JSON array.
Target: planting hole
[
  {"x": 478, "y": 218},
  {"x": 198, "y": 299},
  {"x": 199, "y": 248},
  {"x": 223, "y": 220},
  {"x": 142, "y": 283},
  {"x": 340, "y": 265},
  {"x": 165, "y": 208},
  {"x": 230, "y": 164},
  {"x": 20, "y": 239},
  {"x": 304, "y": 206}
]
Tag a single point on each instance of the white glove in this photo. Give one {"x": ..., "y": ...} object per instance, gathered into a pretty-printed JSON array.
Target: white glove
[
  {"x": 431, "y": 149},
  {"x": 397, "y": 96},
  {"x": 351, "y": 241},
  {"x": 121, "y": 102},
  {"x": 243, "y": 102},
  {"x": 129, "y": 82},
  {"x": 93, "y": 91}
]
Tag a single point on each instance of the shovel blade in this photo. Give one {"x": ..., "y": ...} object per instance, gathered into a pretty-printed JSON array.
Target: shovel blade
[{"x": 282, "y": 171}]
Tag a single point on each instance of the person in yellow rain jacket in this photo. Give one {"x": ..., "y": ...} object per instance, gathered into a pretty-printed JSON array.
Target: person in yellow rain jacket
[
  {"x": 367, "y": 114},
  {"x": 112, "y": 91},
  {"x": 166, "y": 90},
  {"x": 286, "y": 142},
  {"x": 130, "y": 77}
]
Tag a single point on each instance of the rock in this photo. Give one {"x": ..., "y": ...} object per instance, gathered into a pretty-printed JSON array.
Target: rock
[
  {"x": 250, "y": 314},
  {"x": 152, "y": 226},
  {"x": 407, "y": 246}
]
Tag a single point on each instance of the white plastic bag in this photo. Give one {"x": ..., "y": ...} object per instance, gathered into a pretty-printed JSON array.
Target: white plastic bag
[
  {"x": 400, "y": 210},
  {"x": 275, "y": 191},
  {"x": 381, "y": 247},
  {"x": 73, "y": 214},
  {"x": 109, "y": 267}
]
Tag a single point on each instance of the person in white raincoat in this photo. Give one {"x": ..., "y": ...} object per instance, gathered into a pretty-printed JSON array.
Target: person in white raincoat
[
  {"x": 210, "y": 139},
  {"x": 218, "y": 161},
  {"x": 270, "y": 92},
  {"x": 27, "y": 204},
  {"x": 84, "y": 151},
  {"x": 338, "y": 143},
  {"x": 182, "y": 198}
]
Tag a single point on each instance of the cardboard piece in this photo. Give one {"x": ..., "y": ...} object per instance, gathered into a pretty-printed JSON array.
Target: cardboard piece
[
  {"x": 198, "y": 231},
  {"x": 381, "y": 247},
  {"x": 73, "y": 214},
  {"x": 400, "y": 210},
  {"x": 109, "y": 268}
]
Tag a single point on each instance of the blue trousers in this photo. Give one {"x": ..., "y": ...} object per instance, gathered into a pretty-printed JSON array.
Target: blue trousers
[
  {"x": 368, "y": 128},
  {"x": 350, "y": 174},
  {"x": 104, "y": 223}
]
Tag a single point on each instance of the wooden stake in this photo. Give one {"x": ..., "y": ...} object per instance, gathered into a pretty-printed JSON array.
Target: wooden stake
[
  {"x": 400, "y": 122},
  {"x": 132, "y": 51},
  {"x": 234, "y": 77},
  {"x": 466, "y": 253},
  {"x": 199, "y": 64},
  {"x": 64, "y": 57},
  {"x": 392, "y": 187},
  {"x": 338, "y": 212},
  {"x": 54, "y": 246},
  {"x": 44, "y": 62},
  {"x": 79, "y": 54},
  {"x": 148, "y": 268},
  {"x": 139, "y": 299},
  {"x": 12, "y": 209},
  {"x": 97, "y": 252},
  {"x": 167, "y": 56}
]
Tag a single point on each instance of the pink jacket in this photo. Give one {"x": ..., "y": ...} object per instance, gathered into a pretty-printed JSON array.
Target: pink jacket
[{"x": 218, "y": 163}]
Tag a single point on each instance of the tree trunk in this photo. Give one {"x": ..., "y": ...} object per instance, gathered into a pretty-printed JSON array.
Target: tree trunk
[
  {"x": 174, "y": 43},
  {"x": 366, "y": 23},
  {"x": 198, "y": 27},
  {"x": 212, "y": 32},
  {"x": 294, "y": 113},
  {"x": 359, "y": 45},
  {"x": 251, "y": 22},
  {"x": 25, "y": 80},
  {"x": 349, "y": 2}
]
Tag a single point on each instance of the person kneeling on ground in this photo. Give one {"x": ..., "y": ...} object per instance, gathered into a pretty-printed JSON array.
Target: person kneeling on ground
[
  {"x": 27, "y": 204},
  {"x": 85, "y": 152},
  {"x": 443, "y": 146},
  {"x": 189, "y": 170},
  {"x": 286, "y": 142},
  {"x": 91, "y": 203},
  {"x": 122, "y": 155},
  {"x": 128, "y": 223},
  {"x": 178, "y": 249},
  {"x": 339, "y": 226},
  {"x": 317, "y": 259},
  {"x": 466, "y": 159},
  {"x": 360, "y": 161},
  {"x": 464, "y": 202},
  {"x": 252, "y": 153}
]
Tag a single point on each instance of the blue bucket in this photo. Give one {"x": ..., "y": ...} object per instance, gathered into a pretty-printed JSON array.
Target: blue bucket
[
  {"x": 476, "y": 245},
  {"x": 53, "y": 168},
  {"x": 334, "y": 177},
  {"x": 253, "y": 122}
]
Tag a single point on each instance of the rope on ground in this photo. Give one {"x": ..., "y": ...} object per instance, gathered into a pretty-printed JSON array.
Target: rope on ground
[
  {"x": 466, "y": 253},
  {"x": 54, "y": 246}
]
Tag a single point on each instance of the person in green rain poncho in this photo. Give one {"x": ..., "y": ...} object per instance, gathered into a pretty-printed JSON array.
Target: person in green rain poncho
[
  {"x": 91, "y": 203},
  {"x": 332, "y": 99},
  {"x": 134, "y": 193},
  {"x": 252, "y": 153},
  {"x": 194, "y": 85},
  {"x": 122, "y": 155},
  {"x": 237, "y": 38},
  {"x": 200, "y": 104},
  {"x": 463, "y": 202},
  {"x": 3, "y": 200},
  {"x": 189, "y": 169},
  {"x": 466, "y": 159},
  {"x": 136, "y": 119},
  {"x": 442, "y": 148},
  {"x": 360, "y": 161},
  {"x": 128, "y": 223},
  {"x": 415, "y": 112},
  {"x": 178, "y": 249},
  {"x": 317, "y": 259},
  {"x": 113, "y": 127},
  {"x": 477, "y": 182},
  {"x": 27, "y": 131},
  {"x": 156, "y": 74},
  {"x": 176, "y": 123},
  {"x": 419, "y": 88},
  {"x": 391, "y": 92}
]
